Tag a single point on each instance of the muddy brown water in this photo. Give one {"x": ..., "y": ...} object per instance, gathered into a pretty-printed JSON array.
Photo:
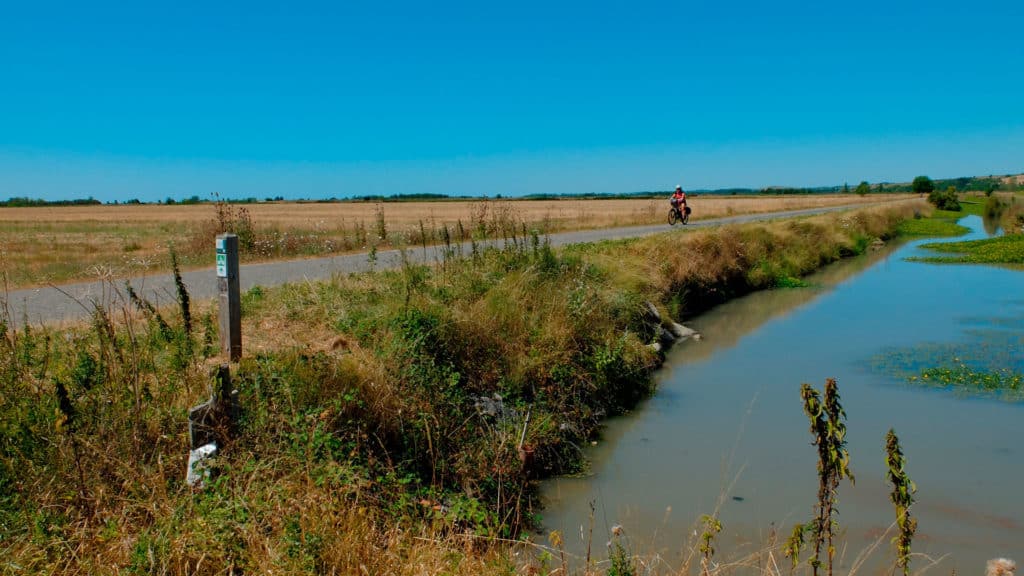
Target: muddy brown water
[{"x": 725, "y": 431}]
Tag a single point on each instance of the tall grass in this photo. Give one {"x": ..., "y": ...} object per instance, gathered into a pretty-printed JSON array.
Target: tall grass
[{"x": 392, "y": 422}]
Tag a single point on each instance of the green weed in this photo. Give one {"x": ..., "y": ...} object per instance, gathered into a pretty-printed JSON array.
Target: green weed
[
  {"x": 986, "y": 362},
  {"x": 902, "y": 496},
  {"x": 1008, "y": 249},
  {"x": 931, "y": 227},
  {"x": 712, "y": 526},
  {"x": 964, "y": 378},
  {"x": 829, "y": 431}
]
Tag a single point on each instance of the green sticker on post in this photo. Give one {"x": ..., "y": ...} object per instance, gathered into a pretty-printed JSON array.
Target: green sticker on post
[{"x": 222, "y": 265}]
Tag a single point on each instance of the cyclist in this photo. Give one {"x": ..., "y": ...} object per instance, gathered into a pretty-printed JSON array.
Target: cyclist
[{"x": 678, "y": 200}]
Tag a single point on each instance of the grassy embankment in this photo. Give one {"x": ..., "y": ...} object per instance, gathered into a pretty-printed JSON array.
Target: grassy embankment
[
  {"x": 392, "y": 422},
  {"x": 1004, "y": 211},
  {"x": 939, "y": 224},
  {"x": 53, "y": 245}
]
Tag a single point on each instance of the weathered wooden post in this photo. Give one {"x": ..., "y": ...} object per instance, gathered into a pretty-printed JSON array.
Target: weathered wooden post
[
  {"x": 227, "y": 399},
  {"x": 229, "y": 297}
]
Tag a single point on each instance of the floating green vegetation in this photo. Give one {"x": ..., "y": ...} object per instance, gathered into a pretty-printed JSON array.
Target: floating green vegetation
[
  {"x": 988, "y": 363},
  {"x": 961, "y": 376},
  {"x": 931, "y": 227},
  {"x": 1007, "y": 249}
]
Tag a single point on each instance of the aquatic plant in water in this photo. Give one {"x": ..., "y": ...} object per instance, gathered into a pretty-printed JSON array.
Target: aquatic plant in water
[
  {"x": 1007, "y": 249},
  {"x": 986, "y": 363},
  {"x": 962, "y": 376}
]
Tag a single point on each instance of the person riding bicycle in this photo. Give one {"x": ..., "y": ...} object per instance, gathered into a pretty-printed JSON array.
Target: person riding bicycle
[{"x": 678, "y": 200}]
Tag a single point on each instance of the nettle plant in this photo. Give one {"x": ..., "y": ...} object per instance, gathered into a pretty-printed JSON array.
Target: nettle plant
[
  {"x": 828, "y": 427},
  {"x": 902, "y": 496}
]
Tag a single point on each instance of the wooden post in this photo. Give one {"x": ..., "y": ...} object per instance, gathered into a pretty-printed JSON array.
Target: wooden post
[
  {"x": 229, "y": 297},
  {"x": 227, "y": 400}
]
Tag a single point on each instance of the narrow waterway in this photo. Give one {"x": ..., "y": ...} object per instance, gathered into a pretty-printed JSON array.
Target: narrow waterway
[{"x": 726, "y": 433}]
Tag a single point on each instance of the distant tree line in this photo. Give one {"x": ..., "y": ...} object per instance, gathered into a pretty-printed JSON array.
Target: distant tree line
[
  {"x": 403, "y": 197},
  {"x": 23, "y": 202},
  {"x": 985, "y": 184},
  {"x": 964, "y": 184},
  {"x": 194, "y": 199},
  {"x": 783, "y": 190}
]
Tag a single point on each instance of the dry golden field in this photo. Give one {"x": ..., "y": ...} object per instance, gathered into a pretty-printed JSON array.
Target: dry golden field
[{"x": 47, "y": 245}]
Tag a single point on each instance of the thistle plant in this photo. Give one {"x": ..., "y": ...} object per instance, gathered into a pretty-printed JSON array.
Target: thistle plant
[{"x": 902, "y": 496}]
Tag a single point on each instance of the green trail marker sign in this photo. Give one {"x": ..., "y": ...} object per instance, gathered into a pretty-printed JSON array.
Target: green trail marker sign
[{"x": 229, "y": 298}]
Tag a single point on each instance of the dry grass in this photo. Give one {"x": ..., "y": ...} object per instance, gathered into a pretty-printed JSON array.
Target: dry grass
[
  {"x": 400, "y": 214},
  {"x": 45, "y": 245}
]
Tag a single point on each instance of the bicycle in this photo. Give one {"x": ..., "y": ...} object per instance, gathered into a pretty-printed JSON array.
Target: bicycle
[{"x": 675, "y": 215}]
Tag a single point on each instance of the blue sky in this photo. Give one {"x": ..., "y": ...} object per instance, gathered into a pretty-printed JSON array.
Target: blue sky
[{"x": 149, "y": 100}]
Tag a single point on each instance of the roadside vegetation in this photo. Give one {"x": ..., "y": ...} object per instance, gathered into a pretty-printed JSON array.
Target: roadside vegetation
[
  {"x": 394, "y": 422},
  {"x": 58, "y": 244}
]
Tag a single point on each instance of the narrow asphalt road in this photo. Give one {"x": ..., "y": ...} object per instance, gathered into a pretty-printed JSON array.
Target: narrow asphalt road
[{"x": 72, "y": 302}]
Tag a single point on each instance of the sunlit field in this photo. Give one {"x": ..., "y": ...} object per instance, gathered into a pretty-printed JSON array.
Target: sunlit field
[{"x": 52, "y": 245}]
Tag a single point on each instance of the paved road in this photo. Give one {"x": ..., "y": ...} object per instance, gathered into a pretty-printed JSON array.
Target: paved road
[{"x": 72, "y": 302}]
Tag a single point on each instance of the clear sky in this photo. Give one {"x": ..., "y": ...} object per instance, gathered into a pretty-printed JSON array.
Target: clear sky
[{"x": 333, "y": 99}]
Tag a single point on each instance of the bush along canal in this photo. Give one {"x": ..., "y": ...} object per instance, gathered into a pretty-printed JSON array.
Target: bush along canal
[{"x": 930, "y": 350}]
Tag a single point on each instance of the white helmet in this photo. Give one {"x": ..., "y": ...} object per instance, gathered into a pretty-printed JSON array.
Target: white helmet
[{"x": 679, "y": 187}]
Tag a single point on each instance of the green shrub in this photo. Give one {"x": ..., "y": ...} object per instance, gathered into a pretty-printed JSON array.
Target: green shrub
[{"x": 945, "y": 199}]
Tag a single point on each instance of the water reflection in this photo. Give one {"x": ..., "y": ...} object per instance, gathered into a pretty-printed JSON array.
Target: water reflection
[
  {"x": 992, "y": 217},
  {"x": 730, "y": 322}
]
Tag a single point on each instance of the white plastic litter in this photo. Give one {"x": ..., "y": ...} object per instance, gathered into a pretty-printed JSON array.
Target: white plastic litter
[{"x": 199, "y": 464}]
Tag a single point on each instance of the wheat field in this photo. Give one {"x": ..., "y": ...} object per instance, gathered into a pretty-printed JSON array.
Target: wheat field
[{"x": 52, "y": 245}]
